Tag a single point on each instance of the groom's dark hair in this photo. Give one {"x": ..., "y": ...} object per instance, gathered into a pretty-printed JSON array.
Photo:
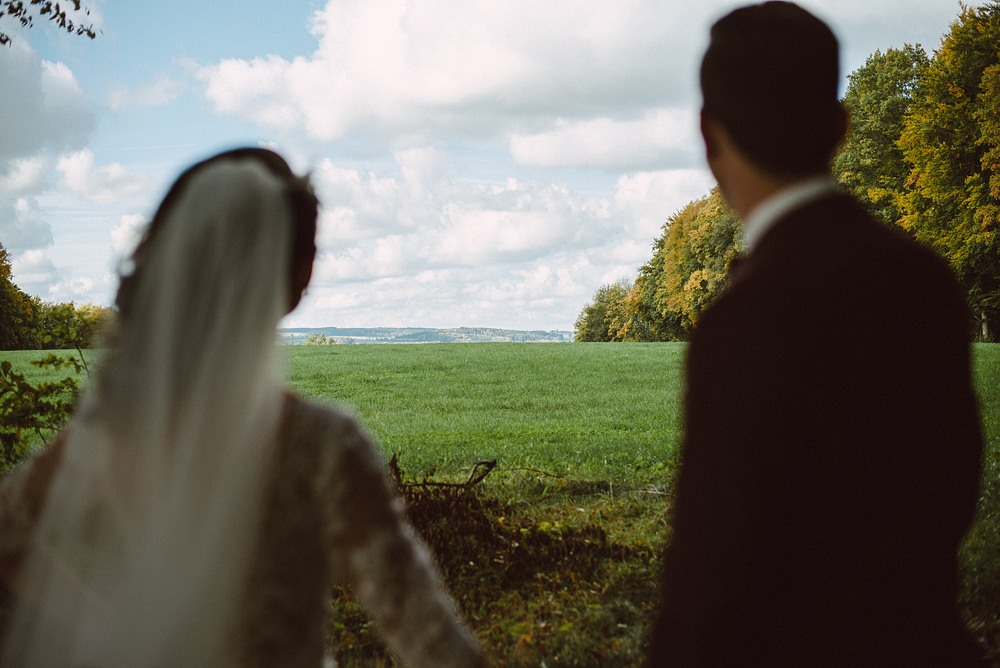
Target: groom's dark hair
[{"x": 770, "y": 77}]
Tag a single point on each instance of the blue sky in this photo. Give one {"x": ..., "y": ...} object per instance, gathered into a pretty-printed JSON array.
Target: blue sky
[{"x": 479, "y": 163}]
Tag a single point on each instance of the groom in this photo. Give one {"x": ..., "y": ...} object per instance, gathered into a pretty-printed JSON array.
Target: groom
[{"x": 832, "y": 447}]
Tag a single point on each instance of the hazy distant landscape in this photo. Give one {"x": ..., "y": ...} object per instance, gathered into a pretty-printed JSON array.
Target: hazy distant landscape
[{"x": 300, "y": 335}]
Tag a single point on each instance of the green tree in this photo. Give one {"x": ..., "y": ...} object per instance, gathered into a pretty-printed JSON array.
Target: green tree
[
  {"x": 63, "y": 326},
  {"x": 636, "y": 321},
  {"x": 28, "y": 323},
  {"x": 688, "y": 270},
  {"x": 25, "y": 13},
  {"x": 652, "y": 321},
  {"x": 603, "y": 317},
  {"x": 700, "y": 243},
  {"x": 951, "y": 138},
  {"x": 17, "y": 315},
  {"x": 34, "y": 411},
  {"x": 879, "y": 94},
  {"x": 318, "y": 339},
  {"x": 30, "y": 412}
]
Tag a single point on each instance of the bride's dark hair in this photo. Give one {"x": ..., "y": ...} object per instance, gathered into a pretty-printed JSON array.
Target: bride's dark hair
[{"x": 301, "y": 200}]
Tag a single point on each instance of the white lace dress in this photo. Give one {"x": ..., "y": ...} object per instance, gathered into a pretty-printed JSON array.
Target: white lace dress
[{"x": 330, "y": 516}]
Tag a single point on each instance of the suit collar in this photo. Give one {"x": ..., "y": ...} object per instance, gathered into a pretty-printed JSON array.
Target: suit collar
[{"x": 771, "y": 210}]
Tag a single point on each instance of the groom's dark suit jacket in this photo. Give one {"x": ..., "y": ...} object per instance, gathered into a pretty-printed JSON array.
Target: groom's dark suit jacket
[{"x": 831, "y": 458}]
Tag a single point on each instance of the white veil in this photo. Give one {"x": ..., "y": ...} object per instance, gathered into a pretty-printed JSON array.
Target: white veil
[{"x": 143, "y": 549}]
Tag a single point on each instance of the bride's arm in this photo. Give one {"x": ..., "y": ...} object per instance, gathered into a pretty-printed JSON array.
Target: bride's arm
[
  {"x": 387, "y": 566},
  {"x": 22, "y": 497}
]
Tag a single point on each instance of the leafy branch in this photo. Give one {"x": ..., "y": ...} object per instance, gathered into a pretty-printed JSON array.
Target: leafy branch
[
  {"x": 30, "y": 410},
  {"x": 27, "y": 409},
  {"x": 24, "y": 13}
]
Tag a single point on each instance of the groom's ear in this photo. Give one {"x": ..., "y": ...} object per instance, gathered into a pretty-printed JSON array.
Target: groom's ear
[
  {"x": 710, "y": 135},
  {"x": 716, "y": 140}
]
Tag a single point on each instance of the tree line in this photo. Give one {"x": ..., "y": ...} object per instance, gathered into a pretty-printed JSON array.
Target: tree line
[
  {"x": 30, "y": 410},
  {"x": 28, "y": 323},
  {"x": 922, "y": 154}
]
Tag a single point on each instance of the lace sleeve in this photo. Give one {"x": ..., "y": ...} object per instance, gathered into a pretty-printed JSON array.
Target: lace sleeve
[
  {"x": 22, "y": 495},
  {"x": 389, "y": 569}
]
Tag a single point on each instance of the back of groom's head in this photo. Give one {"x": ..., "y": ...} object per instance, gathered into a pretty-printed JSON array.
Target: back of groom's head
[{"x": 770, "y": 77}]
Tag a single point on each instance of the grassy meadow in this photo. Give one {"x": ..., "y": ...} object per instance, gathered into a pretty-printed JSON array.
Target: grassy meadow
[
  {"x": 554, "y": 557},
  {"x": 584, "y": 410},
  {"x": 585, "y": 435}
]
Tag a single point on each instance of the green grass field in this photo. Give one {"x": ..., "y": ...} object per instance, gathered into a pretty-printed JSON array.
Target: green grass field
[
  {"x": 586, "y": 410},
  {"x": 602, "y": 416},
  {"x": 555, "y": 557}
]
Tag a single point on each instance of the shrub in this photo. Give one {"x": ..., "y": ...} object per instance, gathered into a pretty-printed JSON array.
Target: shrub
[{"x": 537, "y": 589}]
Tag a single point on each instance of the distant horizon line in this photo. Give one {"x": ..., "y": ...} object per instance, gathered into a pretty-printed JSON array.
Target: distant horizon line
[{"x": 301, "y": 328}]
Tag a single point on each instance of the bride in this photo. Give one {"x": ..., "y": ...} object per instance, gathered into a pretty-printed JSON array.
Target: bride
[{"x": 194, "y": 512}]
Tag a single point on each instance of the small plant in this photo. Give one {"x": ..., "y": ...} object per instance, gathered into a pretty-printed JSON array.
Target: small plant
[
  {"x": 31, "y": 412},
  {"x": 28, "y": 410}
]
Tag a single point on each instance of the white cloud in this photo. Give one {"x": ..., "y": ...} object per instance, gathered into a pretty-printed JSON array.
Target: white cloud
[
  {"x": 478, "y": 162},
  {"x": 420, "y": 165},
  {"x": 405, "y": 68},
  {"x": 34, "y": 272},
  {"x": 23, "y": 176},
  {"x": 660, "y": 137},
  {"x": 515, "y": 221},
  {"x": 381, "y": 226},
  {"x": 127, "y": 233},
  {"x": 879, "y": 25},
  {"x": 43, "y": 105},
  {"x": 546, "y": 293},
  {"x": 358, "y": 205},
  {"x": 44, "y": 110},
  {"x": 471, "y": 122},
  {"x": 75, "y": 289},
  {"x": 616, "y": 72},
  {"x": 646, "y": 199},
  {"x": 412, "y": 244},
  {"x": 102, "y": 184},
  {"x": 22, "y": 224}
]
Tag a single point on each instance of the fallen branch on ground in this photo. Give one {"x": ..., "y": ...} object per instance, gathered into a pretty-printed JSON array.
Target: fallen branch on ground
[{"x": 478, "y": 473}]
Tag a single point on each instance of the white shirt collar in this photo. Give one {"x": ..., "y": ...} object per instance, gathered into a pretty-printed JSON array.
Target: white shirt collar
[{"x": 772, "y": 209}]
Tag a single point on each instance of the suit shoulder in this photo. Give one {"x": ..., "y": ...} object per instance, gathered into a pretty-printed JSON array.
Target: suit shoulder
[{"x": 919, "y": 263}]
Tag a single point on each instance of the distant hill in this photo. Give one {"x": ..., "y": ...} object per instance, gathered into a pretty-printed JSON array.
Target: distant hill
[{"x": 298, "y": 335}]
